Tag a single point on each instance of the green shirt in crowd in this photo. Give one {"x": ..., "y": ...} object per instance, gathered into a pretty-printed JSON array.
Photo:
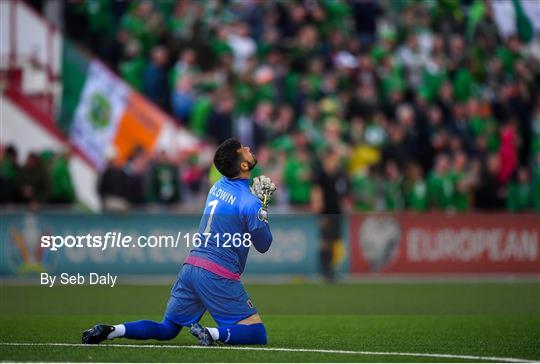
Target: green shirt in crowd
[
  {"x": 461, "y": 200},
  {"x": 164, "y": 183},
  {"x": 297, "y": 179},
  {"x": 518, "y": 197},
  {"x": 463, "y": 85},
  {"x": 432, "y": 82},
  {"x": 364, "y": 192},
  {"x": 245, "y": 98},
  {"x": 8, "y": 170},
  {"x": 485, "y": 126},
  {"x": 132, "y": 72},
  {"x": 199, "y": 115},
  {"x": 98, "y": 13},
  {"x": 508, "y": 58},
  {"x": 141, "y": 30},
  {"x": 416, "y": 197},
  {"x": 393, "y": 195},
  {"x": 440, "y": 190},
  {"x": 62, "y": 189},
  {"x": 536, "y": 189}
]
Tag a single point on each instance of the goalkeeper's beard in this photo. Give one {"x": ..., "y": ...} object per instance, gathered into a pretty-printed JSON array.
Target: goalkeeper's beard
[{"x": 252, "y": 165}]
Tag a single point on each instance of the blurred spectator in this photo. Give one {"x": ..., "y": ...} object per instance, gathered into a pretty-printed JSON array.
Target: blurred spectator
[
  {"x": 536, "y": 184},
  {"x": 114, "y": 49},
  {"x": 62, "y": 189},
  {"x": 9, "y": 170},
  {"x": 113, "y": 186},
  {"x": 220, "y": 121},
  {"x": 414, "y": 60},
  {"x": 164, "y": 180},
  {"x": 192, "y": 174},
  {"x": 185, "y": 65},
  {"x": 142, "y": 22},
  {"x": 32, "y": 181},
  {"x": 463, "y": 182},
  {"x": 440, "y": 185},
  {"x": 363, "y": 190},
  {"x": 415, "y": 189},
  {"x": 155, "y": 85},
  {"x": 132, "y": 67},
  {"x": 518, "y": 198},
  {"x": 489, "y": 194},
  {"x": 482, "y": 126},
  {"x": 395, "y": 150},
  {"x": 508, "y": 153},
  {"x": 136, "y": 170},
  {"x": 392, "y": 187},
  {"x": 297, "y": 177},
  {"x": 254, "y": 130},
  {"x": 241, "y": 43},
  {"x": 183, "y": 77},
  {"x": 366, "y": 13},
  {"x": 183, "y": 98}
]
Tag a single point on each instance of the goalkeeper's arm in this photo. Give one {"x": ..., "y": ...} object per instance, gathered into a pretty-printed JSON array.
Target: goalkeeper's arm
[{"x": 262, "y": 238}]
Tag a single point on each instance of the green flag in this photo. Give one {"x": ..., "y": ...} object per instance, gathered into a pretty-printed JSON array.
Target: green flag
[{"x": 523, "y": 23}]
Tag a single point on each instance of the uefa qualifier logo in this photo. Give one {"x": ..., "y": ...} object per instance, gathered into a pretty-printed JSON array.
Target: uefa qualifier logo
[
  {"x": 379, "y": 241},
  {"x": 23, "y": 252}
]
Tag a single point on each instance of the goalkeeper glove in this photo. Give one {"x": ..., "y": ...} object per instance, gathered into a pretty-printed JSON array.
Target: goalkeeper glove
[{"x": 263, "y": 188}]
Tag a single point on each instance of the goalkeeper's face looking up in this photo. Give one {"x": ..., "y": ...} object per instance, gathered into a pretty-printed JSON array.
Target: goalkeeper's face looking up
[{"x": 233, "y": 160}]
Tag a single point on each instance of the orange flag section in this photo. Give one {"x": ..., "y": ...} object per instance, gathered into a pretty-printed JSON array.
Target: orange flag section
[{"x": 139, "y": 126}]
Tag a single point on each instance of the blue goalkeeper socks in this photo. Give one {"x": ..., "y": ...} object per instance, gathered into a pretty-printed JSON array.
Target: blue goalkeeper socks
[
  {"x": 146, "y": 329},
  {"x": 254, "y": 334}
]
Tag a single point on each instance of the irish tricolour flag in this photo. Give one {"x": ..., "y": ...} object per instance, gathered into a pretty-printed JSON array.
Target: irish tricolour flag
[{"x": 106, "y": 112}]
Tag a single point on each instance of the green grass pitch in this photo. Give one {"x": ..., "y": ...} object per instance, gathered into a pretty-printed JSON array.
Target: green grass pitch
[{"x": 497, "y": 320}]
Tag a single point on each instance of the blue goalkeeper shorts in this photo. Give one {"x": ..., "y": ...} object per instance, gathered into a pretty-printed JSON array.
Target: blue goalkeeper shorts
[{"x": 197, "y": 290}]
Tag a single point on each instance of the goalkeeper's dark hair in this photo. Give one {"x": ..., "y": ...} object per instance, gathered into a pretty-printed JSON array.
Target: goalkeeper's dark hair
[{"x": 227, "y": 158}]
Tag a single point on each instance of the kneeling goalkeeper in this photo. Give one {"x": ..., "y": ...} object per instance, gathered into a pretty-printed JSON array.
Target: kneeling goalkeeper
[{"x": 210, "y": 277}]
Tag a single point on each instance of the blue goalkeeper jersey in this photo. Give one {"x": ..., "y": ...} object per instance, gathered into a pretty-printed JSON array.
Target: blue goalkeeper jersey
[{"x": 231, "y": 219}]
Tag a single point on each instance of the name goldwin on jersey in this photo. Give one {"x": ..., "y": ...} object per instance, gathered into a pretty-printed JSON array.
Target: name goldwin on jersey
[{"x": 222, "y": 195}]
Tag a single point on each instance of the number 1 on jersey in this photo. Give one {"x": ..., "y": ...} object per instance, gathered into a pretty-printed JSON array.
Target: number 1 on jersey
[{"x": 213, "y": 204}]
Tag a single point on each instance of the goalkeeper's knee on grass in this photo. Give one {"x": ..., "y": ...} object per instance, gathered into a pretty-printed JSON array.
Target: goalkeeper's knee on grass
[
  {"x": 254, "y": 334},
  {"x": 146, "y": 329}
]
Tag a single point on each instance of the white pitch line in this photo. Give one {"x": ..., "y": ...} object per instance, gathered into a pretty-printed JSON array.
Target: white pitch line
[{"x": 295, "y": 350}]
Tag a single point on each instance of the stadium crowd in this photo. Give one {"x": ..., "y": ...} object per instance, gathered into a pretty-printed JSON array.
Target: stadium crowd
[
  {"x": 41, "y": 178},
  {"x": 427, "y": 104}
]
